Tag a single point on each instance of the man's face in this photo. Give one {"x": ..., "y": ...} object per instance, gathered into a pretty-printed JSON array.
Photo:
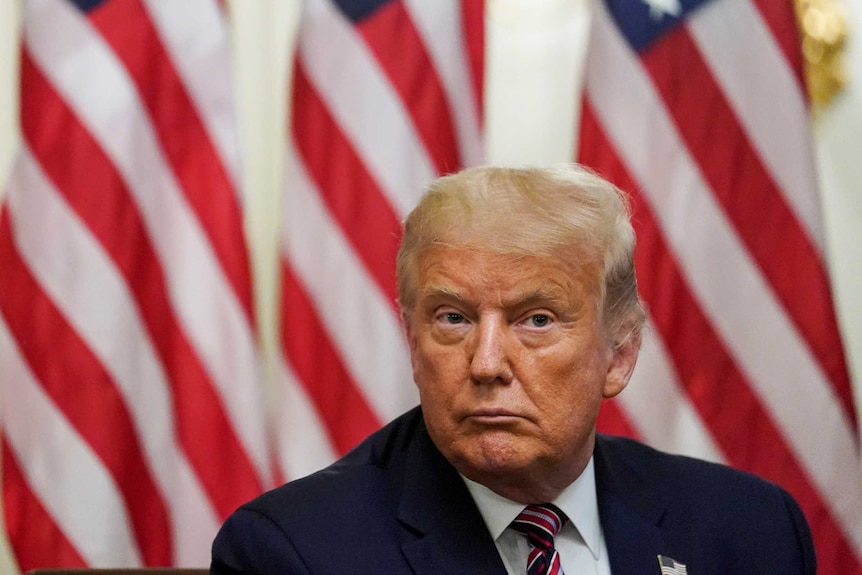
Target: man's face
[{"x": 512, "y": 364}]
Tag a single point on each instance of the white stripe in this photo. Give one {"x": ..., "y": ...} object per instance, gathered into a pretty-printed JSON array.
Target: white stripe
[
  {"x": 707, "y": 247},
  {"x": 364, "y": 104},
  {"x": 302, "y": 440},
  {"x": 361, "y": 322},
  {"x": 751, "y": 70},
  {"x": 68, "y": 51},
  {"x": 89, "y": 509},
  {"x": 195, "y": 34},
  {"x": 661, "y": 410},
  {"x": 441, "y": 27},
  {"x": 80, "y": 279}
]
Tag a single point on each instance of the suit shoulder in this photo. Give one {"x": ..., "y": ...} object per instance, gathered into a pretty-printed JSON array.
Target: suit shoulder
[
  {"x": 671, "y": 469},
  {"x": 353, "y": 502},
  {"x": 711, "y": 491},
  {"x": 708, "y": 512}
]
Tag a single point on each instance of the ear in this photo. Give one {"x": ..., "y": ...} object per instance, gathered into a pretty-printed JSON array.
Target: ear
[{"x": 623, "y": 360}]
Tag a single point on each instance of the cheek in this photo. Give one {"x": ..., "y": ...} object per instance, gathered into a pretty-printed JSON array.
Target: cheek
[
  {"x": 437, "y": 370},
  {"x": 570, "y": 387}
]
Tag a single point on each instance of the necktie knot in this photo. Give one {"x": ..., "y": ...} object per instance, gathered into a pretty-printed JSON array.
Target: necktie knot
[{"x": 541, "y": 523}]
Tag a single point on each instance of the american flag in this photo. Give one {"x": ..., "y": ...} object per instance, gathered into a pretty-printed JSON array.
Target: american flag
[
  {"x": 671, "y": 567},
  {"x": 699, "y": 109},
  {"x": 386, "y": 95},
  {"x": 128, "y": 355}
]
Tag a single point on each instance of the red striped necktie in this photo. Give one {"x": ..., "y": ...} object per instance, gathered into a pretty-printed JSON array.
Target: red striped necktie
[{"x": 540, "y": 523}]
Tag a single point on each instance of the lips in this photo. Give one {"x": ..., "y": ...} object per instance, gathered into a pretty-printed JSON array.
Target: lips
[
  {"x": 493, "y": 412},
  {"x": 493, "y": 415}
]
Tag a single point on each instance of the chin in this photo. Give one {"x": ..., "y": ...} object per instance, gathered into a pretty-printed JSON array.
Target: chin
[{"x": 492, "y": 454}]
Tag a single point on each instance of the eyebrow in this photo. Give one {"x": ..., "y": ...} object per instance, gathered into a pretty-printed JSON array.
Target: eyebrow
[
  {"x": 439, "y": 292},
  {"x": 538, "y": 295}
]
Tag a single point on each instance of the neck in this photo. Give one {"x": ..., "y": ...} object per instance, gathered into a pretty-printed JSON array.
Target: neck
[{"x": 531, "y": 487}]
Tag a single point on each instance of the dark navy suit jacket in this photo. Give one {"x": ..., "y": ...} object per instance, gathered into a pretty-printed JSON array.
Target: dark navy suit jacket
[{"x": 395, "y": 505}]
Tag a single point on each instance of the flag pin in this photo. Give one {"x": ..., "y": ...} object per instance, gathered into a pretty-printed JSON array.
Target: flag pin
[{"x": 671, "y": 566}]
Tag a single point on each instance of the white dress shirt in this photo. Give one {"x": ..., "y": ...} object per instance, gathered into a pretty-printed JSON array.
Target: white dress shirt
[{"x": 580, "y": 542}]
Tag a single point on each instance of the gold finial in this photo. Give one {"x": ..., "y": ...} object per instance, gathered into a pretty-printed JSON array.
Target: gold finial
[{"x": 824, "y": 31}]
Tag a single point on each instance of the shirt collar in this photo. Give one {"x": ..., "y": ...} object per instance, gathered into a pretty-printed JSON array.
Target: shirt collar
[{"x": 578, "y": 501}]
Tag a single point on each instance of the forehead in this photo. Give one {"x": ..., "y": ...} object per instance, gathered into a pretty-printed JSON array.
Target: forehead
[{"x": 486, "y": 275}]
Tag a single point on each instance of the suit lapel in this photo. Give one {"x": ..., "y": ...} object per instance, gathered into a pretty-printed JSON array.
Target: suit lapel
[
  {"x": 630, "y": 514},
  {"x": 449, "y": 534}
]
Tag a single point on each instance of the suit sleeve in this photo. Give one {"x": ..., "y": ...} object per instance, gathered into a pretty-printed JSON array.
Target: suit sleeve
[
  {"x": 250, "y": 543},
  {"x": 803, "y": 536}
]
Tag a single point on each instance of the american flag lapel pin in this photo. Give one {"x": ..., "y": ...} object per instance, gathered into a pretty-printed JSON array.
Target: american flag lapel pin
[{"x": 671, "y": 566}]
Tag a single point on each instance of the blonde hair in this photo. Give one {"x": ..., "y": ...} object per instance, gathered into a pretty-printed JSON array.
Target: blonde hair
[{"x": 538, "y": 211}]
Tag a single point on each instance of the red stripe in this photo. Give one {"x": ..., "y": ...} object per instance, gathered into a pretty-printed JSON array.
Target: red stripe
[
  {"x": 35, "y": 539},
  {"x": 349, "y": 191},
  {"x": 737, "y": 419},
  {"x": 751, "y": 199},
  {"x": 204, "y": 430},
  {"x": 473, "y": 15},
  {"x": 780, "y": 18},
  {"x": 613, "y": 420},
  {"x": 127, "y": 27},
  {"x": 319, "y": 368},
  {"x": 397, "y": 45},
  {"x": 79, "y": 385}
]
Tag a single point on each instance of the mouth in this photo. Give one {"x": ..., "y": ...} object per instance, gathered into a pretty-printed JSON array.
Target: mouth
[{"x": 492, "y": 416}]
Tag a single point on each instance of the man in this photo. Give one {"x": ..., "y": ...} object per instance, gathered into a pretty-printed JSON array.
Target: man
[{"x": 520, "y": 307}]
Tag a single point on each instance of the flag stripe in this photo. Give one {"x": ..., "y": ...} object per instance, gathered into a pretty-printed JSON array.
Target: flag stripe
[
  {"x": 613, "y": 420},
  {"x": 40, "y": 428},
  {"x": 453, "y": 34},
  {"x": 785, "y": 29},
  {"x": 185, "y": 255},
  {"x": 395, "y": 42},
  {"x": 32, "y": 531},
  {"x": 350, "y": 192},
  {"x": 125, "y": 25},
  {"x": 200, "y": 414},
  {"x": 300, "y": 453},
  {"x": 471, "y": 42},
  {"x": 759, "y": 214},
  {"x": 128, "y": 283},
  {"x": 95, "y": 314},
  {"x": 315, "y": 360},
  {"x": 112, "y": 439},
  {"x": 193, "y": 32},
  {"x": 752, "y": 90},
  {"x": 364, "y": 104},
  {"x": 660, "y": 408},
  {"x": 360, "y": 320}
]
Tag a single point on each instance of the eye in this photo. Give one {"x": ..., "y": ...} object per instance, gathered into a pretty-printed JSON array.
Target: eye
[
  {"x": 539, "y": 320},
  {"x": 453, "y": 318}
]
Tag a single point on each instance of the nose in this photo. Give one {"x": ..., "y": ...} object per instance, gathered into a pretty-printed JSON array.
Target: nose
[{"x": 490, "y": 362}]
